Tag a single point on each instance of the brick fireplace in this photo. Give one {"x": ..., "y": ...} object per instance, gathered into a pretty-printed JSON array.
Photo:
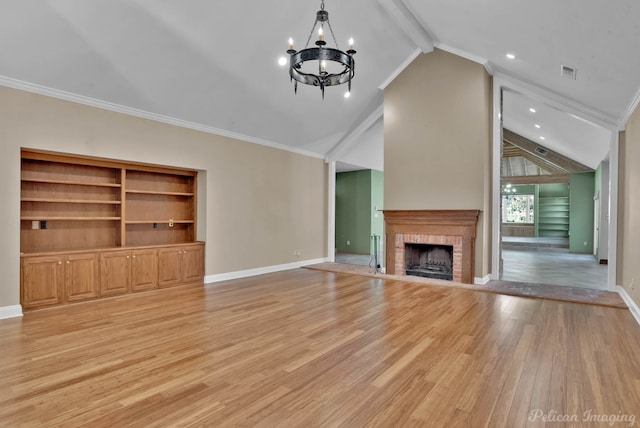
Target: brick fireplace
[{"x": 454, "y": 229}]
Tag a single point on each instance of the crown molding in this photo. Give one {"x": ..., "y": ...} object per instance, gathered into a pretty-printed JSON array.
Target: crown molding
[
  {"x": 106, "y": 105},
  {"x": 632, "y": 108},
  {"x": 353, "y": 135},
  {"x": 464, "y": 54},
  {"x": 408, "y": 23},
  {"x": 556, "y": 100},
  {"x": 400, "y": 68}
]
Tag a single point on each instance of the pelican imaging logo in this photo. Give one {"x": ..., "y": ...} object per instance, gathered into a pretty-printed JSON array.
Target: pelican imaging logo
[{"x": 586, "y": 416}]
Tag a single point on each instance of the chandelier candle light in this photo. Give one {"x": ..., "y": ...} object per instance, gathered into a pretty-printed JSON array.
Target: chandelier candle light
[{"x": 325, "y": 56}]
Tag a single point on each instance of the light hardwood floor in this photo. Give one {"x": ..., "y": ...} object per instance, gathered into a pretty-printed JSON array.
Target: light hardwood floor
[{"x": 311, "y": 348}]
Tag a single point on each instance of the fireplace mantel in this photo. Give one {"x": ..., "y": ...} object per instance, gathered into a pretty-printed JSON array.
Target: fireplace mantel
[{"x": 452, "y": 227}]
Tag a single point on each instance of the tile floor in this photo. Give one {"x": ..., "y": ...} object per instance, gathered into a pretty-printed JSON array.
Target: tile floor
[
  {"x": 555, "y": 266},
  {"x": 534, "y": 260},
  {"x": 354, "y": 259}
]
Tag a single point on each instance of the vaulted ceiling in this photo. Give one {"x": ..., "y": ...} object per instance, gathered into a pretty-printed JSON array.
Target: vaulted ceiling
[
  {"x": 523, "y": 158},
  {"x": 214, "y": 65}
]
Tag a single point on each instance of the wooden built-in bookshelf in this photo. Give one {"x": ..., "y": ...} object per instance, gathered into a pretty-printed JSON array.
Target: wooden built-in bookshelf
[{"x": 109, "y": 210}]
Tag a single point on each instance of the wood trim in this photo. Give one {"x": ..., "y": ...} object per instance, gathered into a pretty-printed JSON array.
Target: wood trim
[
  {"x": 461, "y": 223},
  {"x": 123, "y": 207},
  {"x": 511, "y": 151},
  {"x": 555, "y": 158},
  {"x": 535, "y": 179},
  {"x": 447, "y": 217},
  {"x": 103, "y": 250},
  {"x": 46, "y": 155}
]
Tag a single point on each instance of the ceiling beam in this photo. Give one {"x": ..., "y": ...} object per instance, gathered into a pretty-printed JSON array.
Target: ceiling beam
[
  {"x": 544, "y": 164},
  {"x": 536, "y": 179},
  {"x": 352, "y": 136},
  {"x": 504, "y": 80},
  {"x": 409, "y": 24},
  {"x": 554, "y": 157},
  {"x": 511, "y": 151}
]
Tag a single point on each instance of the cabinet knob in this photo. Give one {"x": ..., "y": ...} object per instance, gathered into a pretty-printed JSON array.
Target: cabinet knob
[
  {"x": 68, "y": 262},
  {"x": 127, "y": 256},
  {"x": 59, "y": 263},
  {"x": 134, "y": 256}
]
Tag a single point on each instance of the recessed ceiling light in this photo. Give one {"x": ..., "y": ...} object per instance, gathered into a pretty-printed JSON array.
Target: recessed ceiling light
[
  {"x": 537, "y": 126},
  {"x": 347, "y": 94},
  {"x": 282, "y": 61},
  {"x": 511, "y": 56},
  {"x": 532, "y": 110},
  {"x": 542, "y": 138}
]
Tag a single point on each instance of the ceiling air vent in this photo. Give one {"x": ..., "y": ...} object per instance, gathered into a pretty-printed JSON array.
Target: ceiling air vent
[
  {"x": 541, "y": 151},
  {"x": 568, "y": 72}
]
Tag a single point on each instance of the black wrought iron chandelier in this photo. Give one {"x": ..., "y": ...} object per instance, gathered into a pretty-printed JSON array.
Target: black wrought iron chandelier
[{"x": 334, "y": 67}]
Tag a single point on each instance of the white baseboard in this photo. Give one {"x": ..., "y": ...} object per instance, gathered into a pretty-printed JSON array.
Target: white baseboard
[
  {"x": 260, "y": 271},
  {"x": 10, "y": 311},
  {"x": 633, "y": 306},
  {"x": 482, "y": 281}
]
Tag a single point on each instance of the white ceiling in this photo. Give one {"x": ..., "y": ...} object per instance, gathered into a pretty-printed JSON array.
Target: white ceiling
[
  {"x": 214, "y": 64},
  {"x": 564, "y": 133}
]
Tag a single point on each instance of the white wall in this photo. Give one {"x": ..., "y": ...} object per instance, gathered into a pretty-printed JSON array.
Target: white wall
[{"x": 368, "y": 149}]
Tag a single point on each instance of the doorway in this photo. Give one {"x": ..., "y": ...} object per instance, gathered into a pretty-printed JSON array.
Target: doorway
[
  {"x": 358, "y": 219},
  {"x": 552, "y": 166}
]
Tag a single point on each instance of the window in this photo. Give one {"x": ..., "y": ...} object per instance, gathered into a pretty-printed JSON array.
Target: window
[{"x": 517, "y": 208}]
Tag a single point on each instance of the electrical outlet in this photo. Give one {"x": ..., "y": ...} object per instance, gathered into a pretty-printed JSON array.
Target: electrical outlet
[
  {"x": 43, "y": 224},
  {"x": 170, "y": 222},
  {"x": 35, "y": 224},
  {"x": 348, "y": 242}
]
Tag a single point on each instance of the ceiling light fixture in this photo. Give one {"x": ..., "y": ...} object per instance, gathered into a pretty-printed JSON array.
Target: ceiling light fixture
[
  {"x": 537, "y": 126},
  {"x": 511, "y": 56},
  {"x": 532, "y": 110},
  {"x": 282, "y": 61},
  {"x": 334, "y": 67},
  {"x": 542, "y": 138}
]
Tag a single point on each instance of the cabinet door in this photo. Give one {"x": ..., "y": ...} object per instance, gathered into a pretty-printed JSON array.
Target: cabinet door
[
  {"x": 42, "y": 281},
  {"x": 115, "y": 273},
  {"x": 144, "y": 269},
  {"x": 81, "y": 277},
  {"x": 170, "y": 266},
  {"x": 193, "y": 263}
]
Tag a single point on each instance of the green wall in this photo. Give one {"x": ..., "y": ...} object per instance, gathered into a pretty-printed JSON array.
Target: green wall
[
  {"x": 554, "y": 189},
  {"x": 581, "y": 188},
  {"x": 553, "y": 219},
  {"x": 358, "y": 196}
]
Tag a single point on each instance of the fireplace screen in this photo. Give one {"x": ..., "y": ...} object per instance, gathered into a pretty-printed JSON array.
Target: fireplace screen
[{"x": 430, "y": 261}]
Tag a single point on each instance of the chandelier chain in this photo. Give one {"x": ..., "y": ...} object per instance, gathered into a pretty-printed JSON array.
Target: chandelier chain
[
  {"x": 333, "y": 35},
  {"x": 313, "y": 27}
]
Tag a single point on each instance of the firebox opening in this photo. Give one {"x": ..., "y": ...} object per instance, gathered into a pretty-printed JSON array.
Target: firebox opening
[{"x": 430, "y": 261}]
